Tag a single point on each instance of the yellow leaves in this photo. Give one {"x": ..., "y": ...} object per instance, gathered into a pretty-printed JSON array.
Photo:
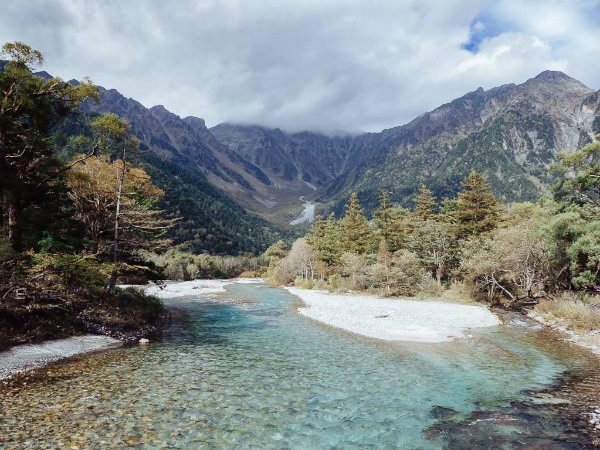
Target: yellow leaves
[
  {"x": 97, "y": 176},
  {"x": 102, "y": 204},
  {"x": 111, "y": 125},
  {"x": 139, "y": 181}
]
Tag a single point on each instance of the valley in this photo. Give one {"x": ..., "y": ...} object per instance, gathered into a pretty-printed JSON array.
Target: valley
[{"x": 511, "y": 134}]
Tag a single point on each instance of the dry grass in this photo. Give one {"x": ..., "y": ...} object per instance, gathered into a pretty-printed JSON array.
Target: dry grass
[
  {"x": 250, "y": 274},
  {"x": 459, "y": 292},
  {"x": 579, "y": 313}
]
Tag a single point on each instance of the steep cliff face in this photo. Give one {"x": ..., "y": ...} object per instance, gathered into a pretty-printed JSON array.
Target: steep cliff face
[
  {"x": 313, "y": 158},
  {"x": 189, "y": 143}
]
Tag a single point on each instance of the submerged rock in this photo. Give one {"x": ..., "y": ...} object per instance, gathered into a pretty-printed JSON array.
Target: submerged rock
[{"x": 443, "y": 413}]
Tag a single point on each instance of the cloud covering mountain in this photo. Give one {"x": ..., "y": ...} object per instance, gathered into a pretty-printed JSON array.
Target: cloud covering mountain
[{"x": 352, "y": 65}]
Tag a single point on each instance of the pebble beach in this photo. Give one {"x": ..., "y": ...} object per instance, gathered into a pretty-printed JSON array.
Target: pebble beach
[{"x": 394, "y": 319}]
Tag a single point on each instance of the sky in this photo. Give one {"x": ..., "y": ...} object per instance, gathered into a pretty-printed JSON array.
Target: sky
[{"x": 321, "y": 65}]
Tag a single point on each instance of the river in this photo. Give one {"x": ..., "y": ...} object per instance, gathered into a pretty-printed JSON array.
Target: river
[
  {"x": 244, "y": 370},
  {"x": 307, "y": 214}
]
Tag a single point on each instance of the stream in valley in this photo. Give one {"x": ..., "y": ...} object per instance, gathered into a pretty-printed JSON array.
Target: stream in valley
[{"x": 244, "y": 370}]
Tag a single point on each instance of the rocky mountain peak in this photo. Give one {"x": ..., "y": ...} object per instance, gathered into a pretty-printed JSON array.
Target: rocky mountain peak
[
  {"x": 557, "y": 80},
  {"x": 195, "y": 122},
  {"x": 553, "y": 76},
  {"x": 161, "y": 111}
]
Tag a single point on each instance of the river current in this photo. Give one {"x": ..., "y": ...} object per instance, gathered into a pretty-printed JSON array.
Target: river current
[{"x": 244, "y": 370}]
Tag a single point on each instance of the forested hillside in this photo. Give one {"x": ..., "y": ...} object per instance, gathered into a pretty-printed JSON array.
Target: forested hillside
[{"x": 511, "y": 134}]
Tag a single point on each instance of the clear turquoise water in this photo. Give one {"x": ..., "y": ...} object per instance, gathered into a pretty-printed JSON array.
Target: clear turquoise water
[{"x": 248, "y": 372}]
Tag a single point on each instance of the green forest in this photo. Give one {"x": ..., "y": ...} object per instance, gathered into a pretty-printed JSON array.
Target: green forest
[
  {"x": 75, "y": 213},
  {"x": 84, "y": 205},
  {"x": 468, "y": 247}
]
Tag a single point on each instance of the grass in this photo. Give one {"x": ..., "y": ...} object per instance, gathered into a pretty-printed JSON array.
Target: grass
[
  {"x": 577, "y": 312},
  {"x": 459, "y": 292}
]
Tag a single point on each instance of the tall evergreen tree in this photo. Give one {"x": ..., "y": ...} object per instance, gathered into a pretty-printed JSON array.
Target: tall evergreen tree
[
  {"x": 390, "y": 222},
  {"x": 583, "y": 187},
  {"x": 30, "y": 109},
  {"x": 355, "y": 234},
  {"x": 577, "y": 226},
  {"x": 476, "y": 210},
  {"x": 324, "y": 237},
  {"x": 425, "y": 204}
]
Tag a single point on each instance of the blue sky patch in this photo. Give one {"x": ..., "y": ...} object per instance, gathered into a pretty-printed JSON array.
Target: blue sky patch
[{"x": 482, "y": 27}]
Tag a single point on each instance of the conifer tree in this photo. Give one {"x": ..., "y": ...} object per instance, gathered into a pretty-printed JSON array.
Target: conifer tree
[
  {"x": 323, "y": 237},
  {"x": 476, "y": 210},
  {"x": 30, "y": 109},
  {"x": 425, "y": 204},
  {"x": 355, "y": 233},
  {"x": 577, "y": 226},
  {"x": 390, "y": 222}
]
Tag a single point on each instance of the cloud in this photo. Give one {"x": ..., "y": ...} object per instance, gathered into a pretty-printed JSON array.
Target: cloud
[{"x": 351, "y": 65}]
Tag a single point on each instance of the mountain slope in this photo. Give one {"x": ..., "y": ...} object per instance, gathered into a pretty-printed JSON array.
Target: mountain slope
[
  {"x": 186, "y": 162},
  {"x": 511, "y": 134}
]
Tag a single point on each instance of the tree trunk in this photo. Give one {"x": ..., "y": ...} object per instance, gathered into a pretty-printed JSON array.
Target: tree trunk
[
  {"x": 113, "y": 276},
  {"x": 14, "y": 224},
  {"x": 1, "y": 207}
]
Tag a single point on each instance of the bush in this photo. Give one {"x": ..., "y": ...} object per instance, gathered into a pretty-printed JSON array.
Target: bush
[
  {"x": 459, "y": 292},
  {"x": 68, "y": 270},
  {"x": 580, "y": 313},
  {"x": 304, "y": 283},
  {"x": 430, "y": 288}
]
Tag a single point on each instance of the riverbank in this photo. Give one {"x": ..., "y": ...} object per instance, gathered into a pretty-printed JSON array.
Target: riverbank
[
  {"x": 174, "y": 289},
  {"x": 590, "y": 340},
  {"x": 394, "y": 319},
  {"x": 33, "y": 356},
  {"x": 109, "y": 329}
]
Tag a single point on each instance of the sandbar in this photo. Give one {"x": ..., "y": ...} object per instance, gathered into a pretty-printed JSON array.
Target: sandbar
[{"x": 394, "y": 319}]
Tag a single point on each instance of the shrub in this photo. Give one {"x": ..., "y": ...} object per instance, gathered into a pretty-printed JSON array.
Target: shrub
[
  {"x": 580, "y": 313},
  {"x": 304, "y": 283}
]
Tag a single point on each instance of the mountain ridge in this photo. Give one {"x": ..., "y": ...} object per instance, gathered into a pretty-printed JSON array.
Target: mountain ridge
[{"x": 511, "y": 133}]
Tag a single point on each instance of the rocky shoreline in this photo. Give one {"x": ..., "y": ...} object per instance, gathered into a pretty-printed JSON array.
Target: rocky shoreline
[
  {"x": 23, "y": 358},
  {"x": 26, "y": 357}
]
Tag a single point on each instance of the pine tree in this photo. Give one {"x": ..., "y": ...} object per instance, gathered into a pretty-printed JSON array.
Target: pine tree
[
  {"x": 425, "y": 204},
  {"x": 476, "y": 210},
  {"x": 30, "y": 109},
  {"x": 390, "y": 222},
  {"x": 323, "y": 237},
  {"x": 355, "y": 233}
]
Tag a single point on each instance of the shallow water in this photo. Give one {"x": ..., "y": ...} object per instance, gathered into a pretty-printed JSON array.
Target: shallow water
[{"x": 244, "y": 370}]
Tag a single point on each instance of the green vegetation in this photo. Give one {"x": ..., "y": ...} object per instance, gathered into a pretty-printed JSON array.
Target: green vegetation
[
  {"x": 443, "y": 160},
  {"x": 82, "y": 208},
  {"x": 210, "y": 222},
  {"x": 69, "y": 228},
  {"x": 469, "y": 244}
]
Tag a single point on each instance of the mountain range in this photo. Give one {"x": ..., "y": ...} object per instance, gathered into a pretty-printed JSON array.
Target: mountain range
[{"x": 510, "y": 133}]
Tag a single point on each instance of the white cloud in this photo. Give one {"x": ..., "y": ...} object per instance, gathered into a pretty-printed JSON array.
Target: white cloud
[{"x": 305, "y": 64}]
